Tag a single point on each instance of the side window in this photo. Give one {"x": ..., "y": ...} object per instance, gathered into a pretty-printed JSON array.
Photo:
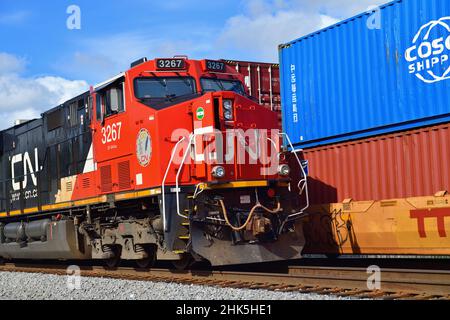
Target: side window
[
  {"x": 89, "y": 105},
  {"x": 110, "y": 101},
  {"x": 114, "y": 100},
  {"x": 73, "y": 117},
  {"x": 98, "y": 107}
]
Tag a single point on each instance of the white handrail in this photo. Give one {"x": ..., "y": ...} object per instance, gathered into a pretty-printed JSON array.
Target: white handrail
[
  {"x": 191, "y": 139},
  {"x": 164, "y": 181},
  {"x": 177, "y": 189},
  {"x": 303, "y": 184}
]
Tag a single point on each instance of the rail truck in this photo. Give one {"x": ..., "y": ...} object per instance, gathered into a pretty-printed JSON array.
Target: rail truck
[{"x": 170, "y": 160}]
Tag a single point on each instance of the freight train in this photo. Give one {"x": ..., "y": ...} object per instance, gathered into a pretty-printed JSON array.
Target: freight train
[{"x": 170, "y": 160}]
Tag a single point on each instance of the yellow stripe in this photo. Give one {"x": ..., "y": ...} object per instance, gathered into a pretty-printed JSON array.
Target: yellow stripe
[
  {"x": 133, "y": 195},
  {"x": 240, "y": 184},
  {"x": 57, "y": 206},
  {"x": 89, "y": 201},
  {"x": 31, "y": 210},
  {"x": 138, "y": 194},
  {"x": 78, "y": 203}
]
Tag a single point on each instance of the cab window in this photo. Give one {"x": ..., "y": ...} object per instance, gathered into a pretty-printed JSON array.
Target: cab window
[
  {"x": 160, "y": 92},
  {"x": 213, "y": 85},
  {"x": 114, "y": 100},
  {"x": 110, "y": 101}
]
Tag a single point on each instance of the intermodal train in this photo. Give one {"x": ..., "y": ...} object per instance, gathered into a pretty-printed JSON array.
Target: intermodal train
[{"x": 171, "y": 160}]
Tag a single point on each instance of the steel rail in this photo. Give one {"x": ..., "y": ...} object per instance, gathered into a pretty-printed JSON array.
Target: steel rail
[{"x": 352, "y": 282}]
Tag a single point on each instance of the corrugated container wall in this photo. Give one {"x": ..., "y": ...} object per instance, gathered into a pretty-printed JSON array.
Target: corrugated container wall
[
  {"x": 373, "y": 74},
  {"x": 263, "y": 82},
  {"x": 407, "y": 164}
]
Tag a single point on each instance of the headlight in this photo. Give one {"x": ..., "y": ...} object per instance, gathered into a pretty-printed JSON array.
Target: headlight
[
  {"x": 228, "y": 115},
  {"x": 228, "y": 104},
  {"x": 228, "y": 109},
  {"x": 218, "y": 172},
  {"x": 284, "y": 170}
]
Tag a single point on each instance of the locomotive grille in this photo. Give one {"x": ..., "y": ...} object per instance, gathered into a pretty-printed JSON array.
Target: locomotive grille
[
  {"x": 106, "y": 179},
  {"x": 69, "y": 186},
  {"x": 124, "y": 175},
  {"x": 86, "y": 183}
]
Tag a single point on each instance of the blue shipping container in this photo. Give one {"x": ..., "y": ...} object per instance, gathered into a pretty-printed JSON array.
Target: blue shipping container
[{"x": 376, "y": 73}]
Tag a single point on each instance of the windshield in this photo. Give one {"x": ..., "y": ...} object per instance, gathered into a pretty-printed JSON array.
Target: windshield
[
  {"x": 212, "y": 85},
  {"x": 161, "y": 92},
  {"x": 146, "y": 88}
]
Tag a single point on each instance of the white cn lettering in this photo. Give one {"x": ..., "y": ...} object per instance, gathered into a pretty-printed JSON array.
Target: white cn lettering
[
  {"x": 15, "y": 159},
  {"x": 28, "y": 169}
]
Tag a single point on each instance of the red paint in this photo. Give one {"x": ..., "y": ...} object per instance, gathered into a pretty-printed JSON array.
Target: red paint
[
  {"x": 438, "y": 214},
  {"x": 117, "y": 164},
  {"x": 406, "y": 164}
]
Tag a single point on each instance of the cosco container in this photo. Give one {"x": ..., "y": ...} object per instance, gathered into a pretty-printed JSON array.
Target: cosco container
[
  {"x": 411, "y": 163},
  {"x": 376, "y": 73}
]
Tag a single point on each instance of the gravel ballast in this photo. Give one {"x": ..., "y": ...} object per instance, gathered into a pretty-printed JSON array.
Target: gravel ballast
[{"x": 33, "y": 286}]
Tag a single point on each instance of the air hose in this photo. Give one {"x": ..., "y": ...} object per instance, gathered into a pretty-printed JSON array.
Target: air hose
[{"x": 250, "y": 216}]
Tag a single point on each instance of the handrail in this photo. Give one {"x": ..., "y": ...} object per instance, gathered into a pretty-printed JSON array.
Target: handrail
[
  {"x": 177, "y": 190},
  {"x": 192, "y": 136},
  {"x": 302, "y": 185},
  {"x": 164, "y": 182}
]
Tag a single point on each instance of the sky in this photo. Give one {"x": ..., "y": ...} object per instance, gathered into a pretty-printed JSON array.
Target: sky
[{"x": 44, "y": 63}]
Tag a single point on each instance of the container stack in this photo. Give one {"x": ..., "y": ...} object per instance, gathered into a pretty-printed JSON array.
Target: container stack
[{"x": 367, "y": 100}]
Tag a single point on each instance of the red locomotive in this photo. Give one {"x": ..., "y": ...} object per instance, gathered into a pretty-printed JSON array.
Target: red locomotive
[{"x": 171, "y": 160}]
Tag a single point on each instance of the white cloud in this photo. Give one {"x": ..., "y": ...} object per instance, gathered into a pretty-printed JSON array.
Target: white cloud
[
  {"x": 11, "y": 64},
  {"x": 264, "y": 24},
  {"x": 26, "y": 98},
  {"x": 102, "y": 57}
]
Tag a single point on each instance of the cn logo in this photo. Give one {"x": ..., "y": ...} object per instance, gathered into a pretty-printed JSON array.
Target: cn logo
[
  {"x": 29, "y": 169},
  {"x": 428, "y": 57}
]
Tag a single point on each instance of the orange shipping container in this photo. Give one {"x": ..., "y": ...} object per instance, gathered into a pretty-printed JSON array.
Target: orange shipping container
[{"x": 406, "y": 164}]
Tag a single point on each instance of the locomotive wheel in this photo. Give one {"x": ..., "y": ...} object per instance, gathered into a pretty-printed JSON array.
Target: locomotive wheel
[
  {"x": 186, "y": 261},
  {"x": 147, "y": 262},
  {"x": 114, "y": 261}
]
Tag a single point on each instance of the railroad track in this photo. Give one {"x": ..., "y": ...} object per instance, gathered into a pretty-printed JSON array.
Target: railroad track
[{"x": 349, "y": 282}]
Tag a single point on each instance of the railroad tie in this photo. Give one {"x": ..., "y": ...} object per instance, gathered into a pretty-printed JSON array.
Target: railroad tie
[
  {"x": 347, "y": 293},
  {"x": 399, "y": 296}
]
